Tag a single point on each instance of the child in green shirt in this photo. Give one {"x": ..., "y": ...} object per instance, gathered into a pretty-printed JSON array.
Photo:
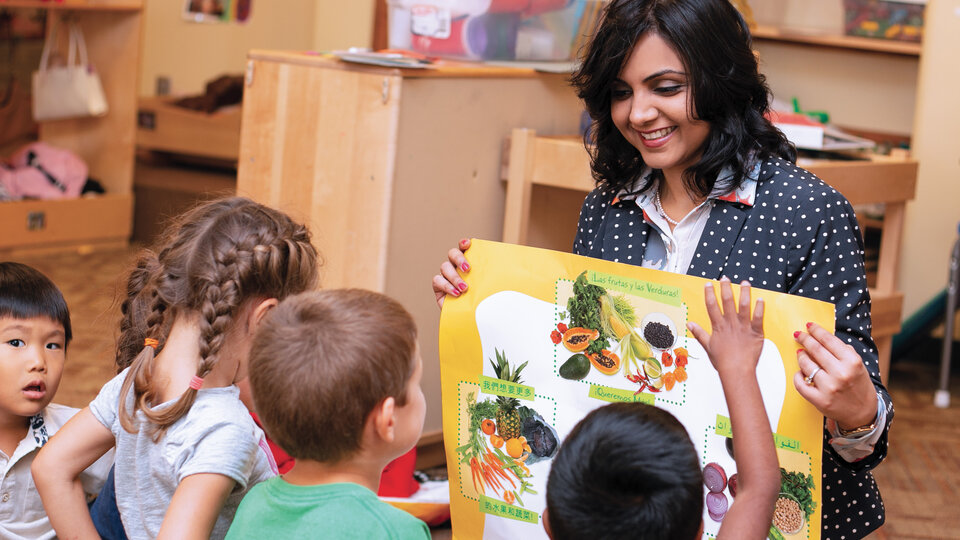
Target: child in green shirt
[{"x": 335, "y": 377}]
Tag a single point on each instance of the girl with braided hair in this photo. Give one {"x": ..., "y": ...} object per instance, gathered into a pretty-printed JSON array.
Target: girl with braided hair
[{"x": 186, "y": 448}]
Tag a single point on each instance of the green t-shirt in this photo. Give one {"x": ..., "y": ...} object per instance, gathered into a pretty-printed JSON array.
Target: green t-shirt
[{"x": 277, "y": 509}]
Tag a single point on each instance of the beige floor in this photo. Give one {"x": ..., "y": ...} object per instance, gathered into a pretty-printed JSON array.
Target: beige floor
[{"x": 920, "y": 479}]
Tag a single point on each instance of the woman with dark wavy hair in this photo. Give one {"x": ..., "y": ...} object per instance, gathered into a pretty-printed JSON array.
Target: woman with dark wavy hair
[
  {"x": 725, "y": 93},
  {"x": 692, "y": 178}
]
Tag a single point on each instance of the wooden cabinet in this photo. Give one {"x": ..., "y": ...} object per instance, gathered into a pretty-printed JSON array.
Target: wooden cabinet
[
  {"x": 390, "y": 167},
  {"x": 111, "y": 30}
]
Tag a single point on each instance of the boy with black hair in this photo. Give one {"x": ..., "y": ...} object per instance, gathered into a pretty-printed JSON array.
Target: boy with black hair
[
  {"x": 630, "y": 470},
  {"x": 34, "y": 334},
  {"x": 335, "y": 377}
]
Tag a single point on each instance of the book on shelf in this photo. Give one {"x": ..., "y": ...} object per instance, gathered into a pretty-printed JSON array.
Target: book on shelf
[{"x": 809, "y": 134}]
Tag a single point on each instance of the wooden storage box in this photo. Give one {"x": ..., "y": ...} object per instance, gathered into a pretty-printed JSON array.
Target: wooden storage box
[
  {"x": 91, "y": 220},
  {"x": 162, "y": 126}
]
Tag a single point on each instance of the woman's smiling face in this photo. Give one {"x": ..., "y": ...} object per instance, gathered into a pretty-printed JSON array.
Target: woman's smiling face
[{"x": 652, "y": 107}]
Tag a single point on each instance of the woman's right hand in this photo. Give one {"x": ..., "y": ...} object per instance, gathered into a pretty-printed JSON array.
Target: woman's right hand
[{"x": 448, "y": 280}]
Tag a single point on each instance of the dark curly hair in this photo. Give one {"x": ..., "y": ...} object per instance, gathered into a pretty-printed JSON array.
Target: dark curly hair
[{"x": 728, "y": 92}]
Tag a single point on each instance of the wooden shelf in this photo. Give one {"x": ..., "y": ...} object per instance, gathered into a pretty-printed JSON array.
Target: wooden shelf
[
  {"x": 78, "y": 5},
  {"x": 112, "y": 29},
  {"x": 834, "y": 41}
]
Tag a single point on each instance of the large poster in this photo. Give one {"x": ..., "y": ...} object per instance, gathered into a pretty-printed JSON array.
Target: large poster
[{"x": 541, "y": 338}]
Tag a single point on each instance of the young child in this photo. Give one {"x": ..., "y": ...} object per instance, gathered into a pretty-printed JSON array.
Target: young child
[
  {"x": 335, "y": 377},
  {"x": 641, "y": 463},
  {"x": 34, "y": 334},
  {"x": 187, "y": 449}
]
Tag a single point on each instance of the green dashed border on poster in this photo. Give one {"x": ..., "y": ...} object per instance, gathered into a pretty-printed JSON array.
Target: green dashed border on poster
[
  {"x": 703, "y": 460},
  {"x": 652, "y": 399},
  {"x": 460, "y": 434},
  {"x": 461, "y": 423},
  {"x": 780, "y": 441}
]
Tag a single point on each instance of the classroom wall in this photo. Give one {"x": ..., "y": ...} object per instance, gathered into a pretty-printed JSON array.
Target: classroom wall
[
  {"x": 863, "y": 90},
  {"x": 932, "y": 217},
  {"x": 340, "y": 24},
  {"x": 813, "y": 15},
  {"x": 191, "y": 53}
]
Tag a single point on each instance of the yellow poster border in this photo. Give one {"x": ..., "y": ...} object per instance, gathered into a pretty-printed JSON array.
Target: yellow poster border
[{"x": 534, "y": 272}]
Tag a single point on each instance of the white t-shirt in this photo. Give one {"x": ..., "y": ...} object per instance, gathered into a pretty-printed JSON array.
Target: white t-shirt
[
  {"x": 216, "y": 436},
  {"x": 21, "y": 511}
]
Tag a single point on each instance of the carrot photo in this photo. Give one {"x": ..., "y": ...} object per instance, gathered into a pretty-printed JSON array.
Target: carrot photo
[{"x": 503, "y": 438}]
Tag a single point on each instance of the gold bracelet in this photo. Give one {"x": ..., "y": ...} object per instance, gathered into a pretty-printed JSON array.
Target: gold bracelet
[{"x": 862, "y": 429}]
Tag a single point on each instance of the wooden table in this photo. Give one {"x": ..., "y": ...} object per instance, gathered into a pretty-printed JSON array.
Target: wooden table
[{"x": 541, "y": 165}]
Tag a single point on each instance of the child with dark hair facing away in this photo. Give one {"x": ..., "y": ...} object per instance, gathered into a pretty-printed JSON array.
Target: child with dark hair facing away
[
  {"x": 34, "y": 334},
  {"x": 609, "y": 479},
  {"x": 335, "y": 377},
  {"x": 187, "y": 449}
]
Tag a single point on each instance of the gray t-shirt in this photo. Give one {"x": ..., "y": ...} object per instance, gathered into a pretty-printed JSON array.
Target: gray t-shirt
[{"x": 216, "y": 436}]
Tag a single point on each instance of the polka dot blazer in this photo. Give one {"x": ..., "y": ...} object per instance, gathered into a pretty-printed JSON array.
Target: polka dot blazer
[{"x": 799, "y": 237}]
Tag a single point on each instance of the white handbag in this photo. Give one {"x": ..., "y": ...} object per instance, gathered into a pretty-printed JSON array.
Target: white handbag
[{"x": 69, "y": 91}]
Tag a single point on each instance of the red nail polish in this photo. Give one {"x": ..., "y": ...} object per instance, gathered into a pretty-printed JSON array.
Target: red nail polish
[
  {"x": 796, "y": 334},
  {"x": 809, "y": 324},
  {"x": 462, "y": 286},
  {"x": 465, "y": 267},
  {"x": 455, "y": 293},
  {"x": 799, "y": 351},
  {"x": 463, "y": 241}
]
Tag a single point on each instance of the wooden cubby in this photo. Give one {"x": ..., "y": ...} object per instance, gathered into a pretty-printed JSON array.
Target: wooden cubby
[{"x": 112, "y": 31}]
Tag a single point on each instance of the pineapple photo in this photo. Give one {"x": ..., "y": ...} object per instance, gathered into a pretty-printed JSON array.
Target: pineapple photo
[{"x": 508, "y": 418}]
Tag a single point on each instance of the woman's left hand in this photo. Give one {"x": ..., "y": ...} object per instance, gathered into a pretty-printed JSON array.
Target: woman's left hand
[{"x": 840, "y": 386}]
